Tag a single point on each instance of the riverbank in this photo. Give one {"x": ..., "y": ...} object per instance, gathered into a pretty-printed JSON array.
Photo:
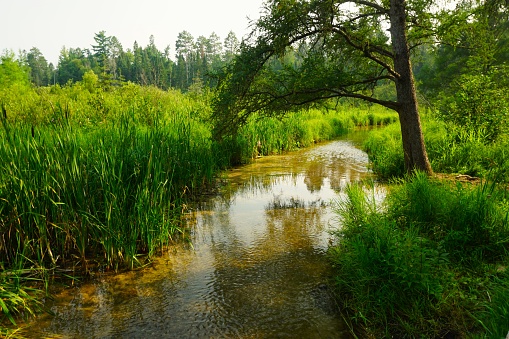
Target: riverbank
[
  {"x": 96, "y": 178},
  {"x": 254, "y": 266},
  {"x": 431, "y": 262}
]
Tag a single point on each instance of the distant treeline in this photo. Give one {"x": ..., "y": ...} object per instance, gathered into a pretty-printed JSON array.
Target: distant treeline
[{"x": 194, "y": 60}]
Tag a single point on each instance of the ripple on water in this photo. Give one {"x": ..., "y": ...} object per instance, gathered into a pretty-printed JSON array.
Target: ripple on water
[{"x": 256, "y": 268}]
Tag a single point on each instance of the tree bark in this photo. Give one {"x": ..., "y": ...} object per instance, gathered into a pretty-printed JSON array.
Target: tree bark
[{"x": 416, "y": 157}]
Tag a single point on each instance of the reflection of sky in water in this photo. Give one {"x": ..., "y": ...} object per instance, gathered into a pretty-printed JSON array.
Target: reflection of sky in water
[{"x": 308, "y": 178}]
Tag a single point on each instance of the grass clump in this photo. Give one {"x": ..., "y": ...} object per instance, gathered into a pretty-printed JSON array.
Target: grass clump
[
  {"x": 429, "y": 263},
  {"x": 17, "y": 300}
]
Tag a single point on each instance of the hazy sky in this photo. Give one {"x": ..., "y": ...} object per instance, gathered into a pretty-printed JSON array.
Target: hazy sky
[{"x": 51, "y": 24}]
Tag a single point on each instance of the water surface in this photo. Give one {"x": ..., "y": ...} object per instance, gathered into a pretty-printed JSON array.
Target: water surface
[{"x": 256, "y": 267}]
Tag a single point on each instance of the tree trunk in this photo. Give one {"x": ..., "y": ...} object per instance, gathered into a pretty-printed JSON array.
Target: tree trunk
[{"x": 416, "y": 157}]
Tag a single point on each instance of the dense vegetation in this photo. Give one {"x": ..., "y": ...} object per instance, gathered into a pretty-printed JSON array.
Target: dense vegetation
[
  {"x": 96, "y": 177},
  {"x": 430, "y": 262},
  {"x": 194, "y": 60},
  {"x": 100, "y": 155}
]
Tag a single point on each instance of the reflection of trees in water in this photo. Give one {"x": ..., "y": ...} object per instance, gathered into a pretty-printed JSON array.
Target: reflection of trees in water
[
  {"x": 279, "y": 202},
  {"x": 338, "y": 172},
  {"x": 264, "y": 288},
  {"x": 241, "y": 280},
  {"x": 340, "y": 161},
  {"x": 314, "y": 176},
  {"x": 343, "y": 175}
]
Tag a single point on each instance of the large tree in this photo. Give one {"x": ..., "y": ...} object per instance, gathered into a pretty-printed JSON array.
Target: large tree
[
  {"x": 352, "y": 46},
  {"x": 71, "y": 65},
  {"x": 12, "y": 71},
  {"x": 102, "y": 49},
  {"x": 186, "y": 56},
  {"x": 40, "y": 73},
  {"x": 231, "y": 46}
]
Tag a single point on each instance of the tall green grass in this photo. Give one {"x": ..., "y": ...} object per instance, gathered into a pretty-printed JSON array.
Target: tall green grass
[
  {"x": 89, "y": 198},
  {"x": 113, "y": 192},
  {"x": 266, "y": 135},
  {"x": 451, "y": 149},
  {"x": 431, "y": 262},
  {"x": 99, "y": 178}
]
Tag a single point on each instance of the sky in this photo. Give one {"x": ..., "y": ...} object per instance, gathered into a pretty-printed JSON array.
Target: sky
[{"x": 50, "y": 25}]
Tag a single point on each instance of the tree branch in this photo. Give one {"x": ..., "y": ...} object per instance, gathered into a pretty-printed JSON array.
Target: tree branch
[
  {"x": 369, "y": 4},
  {"x": 368, "y": 52}
]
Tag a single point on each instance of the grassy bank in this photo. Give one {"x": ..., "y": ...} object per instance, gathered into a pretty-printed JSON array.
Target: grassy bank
[
  {"x": 97, "y": 179},
  {"x": 451, "y": 149},
  {"x": 431, "y": 262},
  {"x": 72, "y": 201}
]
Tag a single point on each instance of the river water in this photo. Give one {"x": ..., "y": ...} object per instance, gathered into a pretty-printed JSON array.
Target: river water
[{"x": 255, "y": 266}]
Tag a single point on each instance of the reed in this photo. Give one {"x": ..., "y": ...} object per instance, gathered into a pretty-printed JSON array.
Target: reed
[
  {"x": 16, "y": 299},
  {"x": 113, "y": 192},
  {"x": 99, "y": 178}
]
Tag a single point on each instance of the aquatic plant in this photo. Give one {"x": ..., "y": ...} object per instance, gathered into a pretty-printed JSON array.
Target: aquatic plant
[{"x": 97, "y": 179}]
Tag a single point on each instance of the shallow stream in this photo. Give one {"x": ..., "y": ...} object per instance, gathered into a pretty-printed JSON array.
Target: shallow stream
[{"x": 256, "y": 267}]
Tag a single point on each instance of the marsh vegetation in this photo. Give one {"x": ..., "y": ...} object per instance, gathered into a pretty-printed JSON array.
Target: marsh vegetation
[{"x": 98, "y": 165}]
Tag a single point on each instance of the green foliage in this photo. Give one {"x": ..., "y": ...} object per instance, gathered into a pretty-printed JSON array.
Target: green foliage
[
  {"x": 454, "y": 149},
  {"x": 271, "y": 135},
  {"x": 40, "y": 71},
  {"x": 479, "y": 105},
  {"x": 427, "y": 263},
  {"x": 115, "y": 191},
  {"x": 467, "y": 223},
  {"x": 17, "y": 300},
  {"x": 300, "y": 129},
  {"x": 473, "y": 40},
  {"x": 466, "y": 76},
  {"x": 93, "y": 176},
  {"x": 196, "y": 61},
  {"x": 385, "y": 152},
  {"x": 307, "y": 52},
  {"x": 451, "y": 149},
  {"x": 495, "y": 314},
  {"x": 12, "y": 72}
]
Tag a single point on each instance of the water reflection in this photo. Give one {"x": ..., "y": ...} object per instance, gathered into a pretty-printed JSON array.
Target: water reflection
[{"x": 256, "y": 268}]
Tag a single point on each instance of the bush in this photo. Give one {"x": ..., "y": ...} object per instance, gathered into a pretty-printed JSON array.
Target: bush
[{"x": 479, "y": 105}]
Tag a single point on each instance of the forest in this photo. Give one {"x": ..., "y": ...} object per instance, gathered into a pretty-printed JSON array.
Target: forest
[
  {"x": 110, "y": 135},
  {"x": 194, "y": 60}
]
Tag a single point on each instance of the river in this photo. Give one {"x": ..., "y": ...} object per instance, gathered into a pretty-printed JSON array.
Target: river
[{"x": 255, "y": 266}]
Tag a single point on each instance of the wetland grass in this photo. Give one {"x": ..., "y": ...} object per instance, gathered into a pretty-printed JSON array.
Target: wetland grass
[
  {"x": 112, "y": 192},
  {"x": 96, "y": 199},
  {"x": 431, "y": 263},
  {"x": 95, "y": 179}
]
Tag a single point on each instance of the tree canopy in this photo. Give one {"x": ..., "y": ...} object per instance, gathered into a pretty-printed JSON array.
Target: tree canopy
[{"x": 343, "y": 49}]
